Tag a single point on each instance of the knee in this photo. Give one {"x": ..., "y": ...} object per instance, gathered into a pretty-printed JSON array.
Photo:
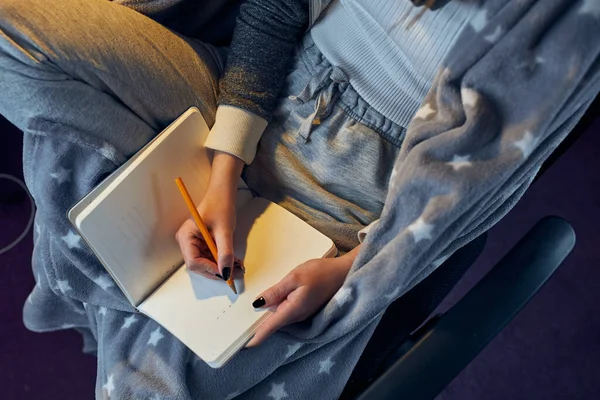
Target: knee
[
  {"x": 34, "y": 30},
  {"x": 19, "y": 20},
  {"x": 12, "y": 11},
  {"x": 58, "y": 30},
  {"x": 22, "y": 25}
]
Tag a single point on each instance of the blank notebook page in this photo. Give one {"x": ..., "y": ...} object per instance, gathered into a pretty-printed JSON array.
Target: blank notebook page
[
  {"x": 205, "y": 314},
  {"x": 131, "y": 224}
]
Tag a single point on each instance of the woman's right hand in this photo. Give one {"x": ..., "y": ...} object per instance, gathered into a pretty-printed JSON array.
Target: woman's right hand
[{"x": 217, "y": 210}]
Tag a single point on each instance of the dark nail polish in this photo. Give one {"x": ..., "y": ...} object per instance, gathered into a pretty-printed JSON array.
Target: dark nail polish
[
  {"x": 219, "y": 276},
  {"x": 259, "y": 302},
  {"x": 226, "y": 273}
]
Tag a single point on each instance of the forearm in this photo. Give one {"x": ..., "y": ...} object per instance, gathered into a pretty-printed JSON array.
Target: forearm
[
  {"x": 345, "y": 262},
  {"x": 226, "y": 171},
  {"x": 266, "y": 34},
  {"x": 264, "y": 40}
]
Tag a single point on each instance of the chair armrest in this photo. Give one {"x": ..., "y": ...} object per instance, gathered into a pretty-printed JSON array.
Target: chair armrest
[{"x": 444, "y": 347}]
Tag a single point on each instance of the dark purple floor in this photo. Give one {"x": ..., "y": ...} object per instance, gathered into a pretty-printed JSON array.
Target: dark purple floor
[
  {"x": 32, "y": 365},
  {"x": 550, "y": 351}
]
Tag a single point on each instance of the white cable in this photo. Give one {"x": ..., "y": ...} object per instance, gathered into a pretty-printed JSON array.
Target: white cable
[{"x": 28, "y": 227}]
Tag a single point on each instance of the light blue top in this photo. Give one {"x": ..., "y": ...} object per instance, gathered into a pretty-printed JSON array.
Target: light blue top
[{"x": 389, "y": 55}]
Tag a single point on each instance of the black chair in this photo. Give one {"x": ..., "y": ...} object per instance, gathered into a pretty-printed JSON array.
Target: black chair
[
  {"x": 432, "y": 356},
  {"x": 413, "y": 363}
]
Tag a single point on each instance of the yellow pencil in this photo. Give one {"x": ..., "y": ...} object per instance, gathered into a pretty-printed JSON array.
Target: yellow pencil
[{"x": 203, "y": 229}]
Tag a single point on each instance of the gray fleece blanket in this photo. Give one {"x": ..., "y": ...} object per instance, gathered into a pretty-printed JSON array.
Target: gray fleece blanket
[{"x": 516, "y": 82}]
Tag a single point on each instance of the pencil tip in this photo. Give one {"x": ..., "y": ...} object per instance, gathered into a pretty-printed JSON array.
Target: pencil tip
[{"x": 231, "y": 284}]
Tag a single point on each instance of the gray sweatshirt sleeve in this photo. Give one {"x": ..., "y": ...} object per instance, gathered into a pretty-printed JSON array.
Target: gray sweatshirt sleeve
[{"x": 262, "y": 46}]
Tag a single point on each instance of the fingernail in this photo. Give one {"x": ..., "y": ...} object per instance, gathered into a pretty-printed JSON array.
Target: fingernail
[
  {"x": 226, "y": 273},
  {"x": 259, "y": 302},
  {"x": 219, "y": 276}
]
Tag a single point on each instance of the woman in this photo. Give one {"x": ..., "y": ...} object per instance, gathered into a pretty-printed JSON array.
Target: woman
[
  {"x": 335, "y": 102},
  {"x": 90, "y": 82}
]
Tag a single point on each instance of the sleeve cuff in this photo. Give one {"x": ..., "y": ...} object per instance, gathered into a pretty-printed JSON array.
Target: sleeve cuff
[
  {"x": 237, "y": 132},
  {"x": 362, "y": 234}
]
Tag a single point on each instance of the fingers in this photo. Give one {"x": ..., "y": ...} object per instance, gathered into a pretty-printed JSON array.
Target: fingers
[
  {"x": 277, "y": 293},
  {"x": 204, "y": 267},
  {"x": 224, "y": 241},
  {"x": 238, "y": 265},
  {"x": 195, "y": 251},
  {"x": 286, "y": 313}
]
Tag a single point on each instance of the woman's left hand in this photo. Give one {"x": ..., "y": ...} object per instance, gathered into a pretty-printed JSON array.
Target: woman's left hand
[{"x": 302, "y": 293}]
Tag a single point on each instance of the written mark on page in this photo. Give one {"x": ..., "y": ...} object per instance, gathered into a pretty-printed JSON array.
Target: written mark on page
[{"x": 217, "y": 291}]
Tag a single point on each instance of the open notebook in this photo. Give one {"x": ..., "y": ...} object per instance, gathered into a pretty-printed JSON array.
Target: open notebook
[{"x": 130, "y": 221}]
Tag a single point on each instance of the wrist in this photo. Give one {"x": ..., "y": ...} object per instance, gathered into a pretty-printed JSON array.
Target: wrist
[
  {"x": 225, "y": 173},
  {"x": 345, "y": 262}
]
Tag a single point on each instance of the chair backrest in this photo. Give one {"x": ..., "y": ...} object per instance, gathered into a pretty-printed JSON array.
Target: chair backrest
[{"x": 407, "y": 313}]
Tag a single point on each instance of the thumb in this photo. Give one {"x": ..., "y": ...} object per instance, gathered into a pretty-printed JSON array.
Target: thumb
[
  {"x": 224, "y": 241},
  {"x": 276, "y": 294}
]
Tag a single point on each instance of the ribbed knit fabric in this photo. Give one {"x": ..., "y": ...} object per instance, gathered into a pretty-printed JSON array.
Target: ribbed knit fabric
[
  {"x": 390, "y": 60},
  {"x": 236, "y": 131}
]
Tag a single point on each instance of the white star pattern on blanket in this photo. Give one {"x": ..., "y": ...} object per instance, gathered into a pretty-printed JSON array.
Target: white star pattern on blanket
[
  {"x": 530, "y": 64},
  {"x": 469, "y": 97},
  {"x": 292, "y": 348},
  {"x": 155, "y": 337},
  {"x": 343, "y": 296},
  {"x": 278, "y": 391},
  {"x": 439, "y": 261},
  {"x": 63, "y": 285},
  {"x": 107, "y": 151},
  {"x": 72, "y": 240},
  {"x": 233, "y": 395},
  {"x": 527, "y": 143},
  {"x": 494, "y": 36},
  {"x": 393, "y": 295},
  {"x": 38, "y": 231},
  {"x": 102, "y": 311},
  {"x": 394, "y": 173},
  {"x": 424, "y": 112},
  {"x": 62, "y": 175},
  {"x": 103, "y": 281},
  {"x": 479, "y": 20},
  {"x": 459, "y": 162},
  {"x": 391, "y": 182},
  {"x": 129, "y": 321},
  {"x": 325, "y": 366},
  {"x": 591, "y": 7},
  {"x": 109, "y": 386},
  {"x": 420, "y": 230}
]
